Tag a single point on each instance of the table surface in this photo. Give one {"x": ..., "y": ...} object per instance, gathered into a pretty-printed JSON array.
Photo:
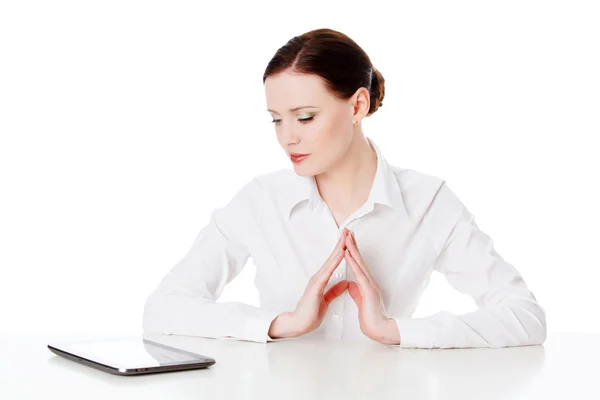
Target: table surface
[{"x": 304, "y": 368}]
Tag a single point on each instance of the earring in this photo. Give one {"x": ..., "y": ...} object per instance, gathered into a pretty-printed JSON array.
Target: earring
[{"x": 355, "y": 123}]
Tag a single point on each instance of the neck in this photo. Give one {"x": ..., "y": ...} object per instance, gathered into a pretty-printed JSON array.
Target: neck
[{"x": 350, "y": 181}]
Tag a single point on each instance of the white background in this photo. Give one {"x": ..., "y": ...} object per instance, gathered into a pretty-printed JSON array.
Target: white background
[{"x": 125, "y": 123}]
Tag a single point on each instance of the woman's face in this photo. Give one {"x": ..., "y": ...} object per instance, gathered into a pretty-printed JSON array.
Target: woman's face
[{"x": 322, "y": 127}]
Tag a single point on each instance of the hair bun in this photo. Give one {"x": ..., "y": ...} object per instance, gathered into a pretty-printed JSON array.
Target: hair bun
[{"x": 377, "y": 91}]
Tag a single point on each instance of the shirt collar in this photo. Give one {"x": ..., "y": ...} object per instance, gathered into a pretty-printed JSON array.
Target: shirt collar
[{"x": 385, "y": 189}]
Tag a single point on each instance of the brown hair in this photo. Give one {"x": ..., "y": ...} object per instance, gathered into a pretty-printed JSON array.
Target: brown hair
[{"x": 338, "y": 60}]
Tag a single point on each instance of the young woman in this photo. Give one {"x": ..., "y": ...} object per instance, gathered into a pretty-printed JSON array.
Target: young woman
[{"x": 344, "y": 243}]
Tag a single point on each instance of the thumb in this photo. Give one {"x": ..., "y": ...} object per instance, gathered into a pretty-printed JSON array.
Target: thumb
[
  {"x": 335, "y": 291},
  {"x": 355, "y": 293}
]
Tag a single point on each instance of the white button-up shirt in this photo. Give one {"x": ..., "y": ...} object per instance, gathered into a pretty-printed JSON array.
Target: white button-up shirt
[{"x": 411, "y": 224}]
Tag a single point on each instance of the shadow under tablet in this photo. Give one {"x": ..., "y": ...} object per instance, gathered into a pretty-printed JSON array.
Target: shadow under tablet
[{"x": 130, "y": 356}]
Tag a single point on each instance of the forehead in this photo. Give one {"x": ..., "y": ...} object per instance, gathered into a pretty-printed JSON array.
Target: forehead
[{"x": 287, "y": 90}]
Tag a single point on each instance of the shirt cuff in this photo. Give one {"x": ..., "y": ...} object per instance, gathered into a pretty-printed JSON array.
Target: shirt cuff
[
  {"x": 412, "y": 333},
  {"x": 256, "y": 328}
]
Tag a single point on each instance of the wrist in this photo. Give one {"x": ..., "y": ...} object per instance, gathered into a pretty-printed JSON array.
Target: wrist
[
  {"x": 282, "y": 326},
  {"x": 390, "y": 333}
]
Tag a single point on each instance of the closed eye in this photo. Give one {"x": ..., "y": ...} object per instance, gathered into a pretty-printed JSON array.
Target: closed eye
[{"x": 303, "y": 120}]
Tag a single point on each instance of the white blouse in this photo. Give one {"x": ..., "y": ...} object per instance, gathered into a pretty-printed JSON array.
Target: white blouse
[{"x": 411, "y": 224}]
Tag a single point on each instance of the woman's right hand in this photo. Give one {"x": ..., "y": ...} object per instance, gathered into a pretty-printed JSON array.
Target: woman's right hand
[{"x": 313, "y": 304}]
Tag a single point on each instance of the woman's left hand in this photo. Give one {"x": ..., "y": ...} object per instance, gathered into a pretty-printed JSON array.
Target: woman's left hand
[{"x": 374, "y": 321}]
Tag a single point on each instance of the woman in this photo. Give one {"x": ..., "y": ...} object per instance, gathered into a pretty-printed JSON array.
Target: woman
[{"x": 345, "y": 243}]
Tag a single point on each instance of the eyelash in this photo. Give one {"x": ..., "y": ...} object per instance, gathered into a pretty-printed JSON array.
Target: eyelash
[{"x": 303, "y": 120}]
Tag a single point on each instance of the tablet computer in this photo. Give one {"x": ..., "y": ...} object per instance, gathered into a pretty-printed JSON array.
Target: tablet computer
[{"x": 133, "y": 355}]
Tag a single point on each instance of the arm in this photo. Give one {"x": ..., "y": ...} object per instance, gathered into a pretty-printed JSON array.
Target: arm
[
  {"x": 184, "y": 303},
  {"x": 508, "y": 313}
]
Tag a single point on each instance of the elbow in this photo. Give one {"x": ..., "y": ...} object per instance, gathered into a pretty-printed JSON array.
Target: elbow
[
  {"x": 532, "y": 329},
  {"x": 148, "y": 322},
  {"x": 166, "y": 311},
  {"x": 539, "y": 331},
  {"x": 535, "y": 333},
  {"x": 151, "y": 321}
]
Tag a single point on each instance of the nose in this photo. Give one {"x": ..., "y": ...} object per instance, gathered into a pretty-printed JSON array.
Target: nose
[{"x": 288, "y": 136}]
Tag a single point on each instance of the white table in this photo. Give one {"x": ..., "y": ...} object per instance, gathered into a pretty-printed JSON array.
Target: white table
[{"x": 566, "y": 366}]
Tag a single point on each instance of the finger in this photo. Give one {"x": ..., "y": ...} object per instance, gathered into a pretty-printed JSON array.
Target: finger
[
  {"x": 341, "y": 244},
  {"x": 333, "y": 261},
  {"x": 351, "y": 243},
  {"x": 322, "y": 277},
  {"x": 358, "y": 258},
  {"x": 355, "y": 294},
  {"x": 361, "y": 278},
  {"x": 335, "y": 291}
]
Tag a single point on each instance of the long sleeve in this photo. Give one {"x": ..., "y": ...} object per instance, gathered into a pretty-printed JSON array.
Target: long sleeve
[
  {"x": 508, "y": 313},
  {"x": 184, "y": 303}
]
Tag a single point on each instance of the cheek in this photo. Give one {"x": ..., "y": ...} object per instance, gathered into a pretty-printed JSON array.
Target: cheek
[
  {"x": 328, "y": 134},
  {"x": 329, "y": 150}
]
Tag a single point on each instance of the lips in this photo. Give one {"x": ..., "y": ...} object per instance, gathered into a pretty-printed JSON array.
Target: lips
[{"x": 296, "y": 157}]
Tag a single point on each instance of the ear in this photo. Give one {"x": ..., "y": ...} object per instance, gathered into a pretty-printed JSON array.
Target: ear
[{"x": 361, "y": 103}]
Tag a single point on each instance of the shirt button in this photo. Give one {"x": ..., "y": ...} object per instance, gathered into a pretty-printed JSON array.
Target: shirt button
[
  {"x": 335, "y": 317},
  {"x": 339, "y": 275}
]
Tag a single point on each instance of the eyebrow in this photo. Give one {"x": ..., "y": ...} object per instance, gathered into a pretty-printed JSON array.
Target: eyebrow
[{"x": 293, "y": 109}]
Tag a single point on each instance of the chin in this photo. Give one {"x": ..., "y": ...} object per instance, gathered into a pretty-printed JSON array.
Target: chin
[
  {"x": 306, "y": 171},
  {"x": 302, "y": 172}
]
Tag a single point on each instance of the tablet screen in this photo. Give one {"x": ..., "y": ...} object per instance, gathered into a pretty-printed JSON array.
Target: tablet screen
[{"x": 130, "y": 352}]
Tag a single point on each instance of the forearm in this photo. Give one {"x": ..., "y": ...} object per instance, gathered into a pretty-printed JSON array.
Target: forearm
[
  {"x": 181, "y": 314},
  {"x": 508, "y": 323}
]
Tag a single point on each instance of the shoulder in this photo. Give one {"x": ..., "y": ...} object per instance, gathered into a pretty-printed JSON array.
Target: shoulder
[
  {"x": 419, "y": 189},
  {"x": 416, "y": 181},
  {"x": 260, "y": 190},
  {"x": 274, "y": 182},
  {"x": 431, "y": 203},
  {"x": 428, "y": 196},
  {"x": 252, "y": 198}
]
